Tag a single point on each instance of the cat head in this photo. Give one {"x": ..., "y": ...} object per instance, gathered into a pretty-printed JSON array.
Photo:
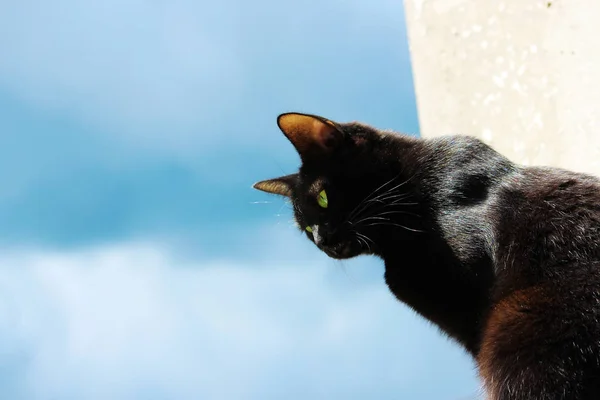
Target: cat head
[{"x": 347, "y": 186}]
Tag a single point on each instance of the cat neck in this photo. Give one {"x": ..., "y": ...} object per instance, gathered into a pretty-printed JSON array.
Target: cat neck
[
  {"x": 446, "y": 272},
  {"x": 431, "y": 280}
]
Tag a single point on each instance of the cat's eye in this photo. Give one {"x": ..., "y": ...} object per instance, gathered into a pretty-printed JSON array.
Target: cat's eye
[
  {"x": 308, "y": 229},
  {"x": 322, "y": 199}
]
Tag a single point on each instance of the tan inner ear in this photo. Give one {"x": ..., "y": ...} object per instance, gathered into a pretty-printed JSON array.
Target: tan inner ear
[
  {"x": 305, "y": 131},
  {"x": 274, "y": 186}
]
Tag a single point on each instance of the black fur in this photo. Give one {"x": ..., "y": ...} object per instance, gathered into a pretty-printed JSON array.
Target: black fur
[{"x": 504, "y": 259}]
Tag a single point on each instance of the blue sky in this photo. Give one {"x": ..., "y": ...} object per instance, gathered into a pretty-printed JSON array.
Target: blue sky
[{"x": 136, "y": 261}]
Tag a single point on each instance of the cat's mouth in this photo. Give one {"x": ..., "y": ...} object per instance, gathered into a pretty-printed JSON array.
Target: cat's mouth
[{"x": 341, "y": 251}]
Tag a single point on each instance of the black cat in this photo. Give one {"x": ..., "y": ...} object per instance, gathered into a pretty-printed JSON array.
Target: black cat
[{"x": 505, "y": 259}]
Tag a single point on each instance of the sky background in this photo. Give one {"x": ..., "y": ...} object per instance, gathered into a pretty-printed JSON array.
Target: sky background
[{"x": 136, "y": 262}]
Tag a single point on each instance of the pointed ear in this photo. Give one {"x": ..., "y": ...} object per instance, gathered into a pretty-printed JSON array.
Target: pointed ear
[
  {"x": 281, "y": 186},
  {"x": 310, "y": 134}
]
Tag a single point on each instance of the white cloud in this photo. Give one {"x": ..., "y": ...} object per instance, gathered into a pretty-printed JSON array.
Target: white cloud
[{"x": 135, "y": 321}]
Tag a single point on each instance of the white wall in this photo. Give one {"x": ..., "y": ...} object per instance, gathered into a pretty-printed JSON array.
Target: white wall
[{"x": 523, "y": 75}]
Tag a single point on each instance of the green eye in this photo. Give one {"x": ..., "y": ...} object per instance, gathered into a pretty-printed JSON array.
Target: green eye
[
  {"x": 308, "y": 229},
  {"x": 322, "y": 199}
]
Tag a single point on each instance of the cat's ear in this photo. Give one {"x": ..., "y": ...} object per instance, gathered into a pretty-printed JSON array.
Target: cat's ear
[
  {"x": 310, "y": 134},
  {"x": 281, "y": 186}
]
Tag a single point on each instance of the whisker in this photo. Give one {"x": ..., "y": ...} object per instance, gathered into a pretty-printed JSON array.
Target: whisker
[
  {"x": 380, "y": 214},
  {"x": 395, "y": 224},
  {"x": 374, "y": 217},
  {"x": 373, "y": 193},
  {"x": 400, "y": 212},
  {"x": 385, "y": 200},
  {"x": 285, "y": 204},
  {"x": 390, "y": 191},
  {"x": 398, "y": 196},
  {"x": 382, "y": 186},
  {"x": 380, "y": 198},
  {"x": 403, "y": 204},
  {"x": 362, "y": 242},
  {"x": 388, "y": 194},
  {"x": 384, "y": 207},
  {"x": 343, "y": 267},
  {"x": 365, "y": 239},
  {"x": 393, "y": 203}
]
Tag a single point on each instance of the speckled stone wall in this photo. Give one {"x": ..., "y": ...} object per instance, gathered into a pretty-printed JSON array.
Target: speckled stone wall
[{"x": 523, "y": 75}]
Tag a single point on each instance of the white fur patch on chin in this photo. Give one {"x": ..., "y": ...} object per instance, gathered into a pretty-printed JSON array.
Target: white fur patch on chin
[{"x": 315, "y": 233}]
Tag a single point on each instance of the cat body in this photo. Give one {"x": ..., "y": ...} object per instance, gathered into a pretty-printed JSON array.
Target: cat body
[{"x": 504, "y": 259}]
